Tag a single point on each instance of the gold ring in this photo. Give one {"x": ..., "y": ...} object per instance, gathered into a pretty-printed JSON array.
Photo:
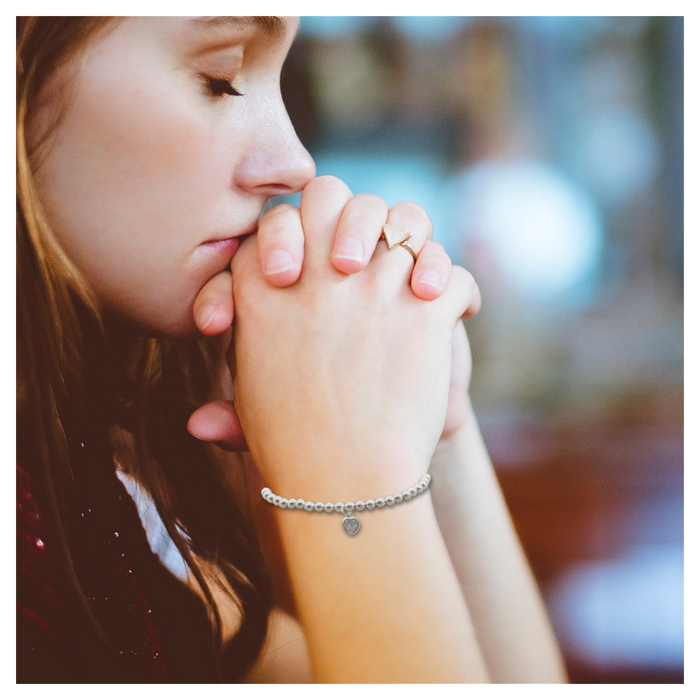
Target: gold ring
[
  {"x": 395, "y": 236},
  {"x": 410, "y": 250}
]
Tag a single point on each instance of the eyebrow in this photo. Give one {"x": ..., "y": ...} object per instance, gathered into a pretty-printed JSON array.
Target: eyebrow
[{"x": 272, "y": 27}]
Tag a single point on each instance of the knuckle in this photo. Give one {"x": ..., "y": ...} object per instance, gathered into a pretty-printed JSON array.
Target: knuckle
[
  {"x": 414, "y": 212},
  {"x": 461, "y": 276},
  {"x": 370, "y": 201},
  {"x": 326, "y": 180},
  {"x": 439, "y": 250},
  {"x": 278, "y": 222},
  {"x": 364, "y": 214},
  {"x": 280, "y": 211},
  {"x": 434, "y": 255},
  {"x": 324, "y": 184},
  {"x": 466, "y": 279}
]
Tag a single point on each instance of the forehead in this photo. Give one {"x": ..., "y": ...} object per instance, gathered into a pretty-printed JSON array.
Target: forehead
[
  {"x": 139, "y": 36},
  {"x": 211, "y": 29},
  {"x": 273, "y": 27},
  {"x": 193, "y": 33}
]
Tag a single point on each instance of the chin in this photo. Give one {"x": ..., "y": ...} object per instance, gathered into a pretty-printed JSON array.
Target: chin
[
  {"x": 183, "y": 327},
  {"x": 183, "y": 330}
]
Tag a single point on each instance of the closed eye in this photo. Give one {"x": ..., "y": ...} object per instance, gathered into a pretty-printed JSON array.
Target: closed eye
[{"x": 218, "y": 87}]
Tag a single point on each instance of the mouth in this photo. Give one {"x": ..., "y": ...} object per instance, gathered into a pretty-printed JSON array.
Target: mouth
[{"x": 226, "y": 246}]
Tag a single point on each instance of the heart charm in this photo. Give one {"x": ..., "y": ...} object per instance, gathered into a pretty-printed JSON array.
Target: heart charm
[
  {"x": 394, "y": 236},
  {"x": 351, "y": 524}
]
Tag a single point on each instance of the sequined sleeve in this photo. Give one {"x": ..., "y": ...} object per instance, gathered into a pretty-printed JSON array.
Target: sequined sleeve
[{"x": 41, "y": 614}]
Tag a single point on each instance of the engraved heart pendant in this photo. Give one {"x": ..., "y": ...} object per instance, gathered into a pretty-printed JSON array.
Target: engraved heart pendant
[{"x": 351, "y": 524}]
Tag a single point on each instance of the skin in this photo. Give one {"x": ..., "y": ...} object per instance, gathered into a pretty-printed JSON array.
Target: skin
[
  {"x": 162, "y": 164},
  {"x": 162, "y": 184},
  {"x": 164, "y": 161},
  {"x": 480, "y": 616},
  {"x": 153, "y": 161},
  {"x": 332, "y": 371}
]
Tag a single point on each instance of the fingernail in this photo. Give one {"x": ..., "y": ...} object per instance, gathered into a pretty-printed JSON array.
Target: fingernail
[
  {"x": 350, "y": 248},
  {"x": 206, "y": 316},
  {"x": 431, "y": 278},
  {"x": 278, "y": 261}
]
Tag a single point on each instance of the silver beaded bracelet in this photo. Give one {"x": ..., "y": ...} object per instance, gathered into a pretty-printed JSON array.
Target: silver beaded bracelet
[{"x": 350, "y": 523}]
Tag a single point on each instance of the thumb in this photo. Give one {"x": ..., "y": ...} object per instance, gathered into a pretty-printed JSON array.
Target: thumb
[
  {"x": 217, "y": 422},
  {"x": 213, "y": 307}
]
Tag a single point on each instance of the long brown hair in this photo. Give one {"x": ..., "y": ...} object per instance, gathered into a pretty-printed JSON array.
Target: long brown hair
[{"x": 64, "y": 356}]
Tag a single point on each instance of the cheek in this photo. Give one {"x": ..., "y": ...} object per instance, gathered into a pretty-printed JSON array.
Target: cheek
[
  {"x": 130, "y": 191},
  {"x": 141, "y": 147},
  {"x": 138, "y": 175},
  {"x": 140, "y": 136},
  {"x": 135, "y": 151}
]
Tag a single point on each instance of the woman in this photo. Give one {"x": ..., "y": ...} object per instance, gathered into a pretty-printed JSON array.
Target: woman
[{"x": 147, "y": 148}]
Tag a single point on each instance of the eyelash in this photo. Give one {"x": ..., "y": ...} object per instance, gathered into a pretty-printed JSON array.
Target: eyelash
[{"x": 218, "y": 87}]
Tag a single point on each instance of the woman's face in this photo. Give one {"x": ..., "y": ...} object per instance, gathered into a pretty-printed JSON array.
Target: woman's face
[{"x": 158, "y": 164}]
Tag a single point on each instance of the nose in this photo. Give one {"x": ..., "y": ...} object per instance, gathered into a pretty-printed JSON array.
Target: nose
[{"x": 276, "y": 162}]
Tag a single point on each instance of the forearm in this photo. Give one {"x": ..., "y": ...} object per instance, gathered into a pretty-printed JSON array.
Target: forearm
[
  {"x": 384, "y": 606},
  {"x": 511, "y": 622}
]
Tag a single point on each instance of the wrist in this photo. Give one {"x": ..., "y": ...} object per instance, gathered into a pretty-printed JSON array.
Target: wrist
[
  {"x": 460, "y": 453},
  {"x": 349, "y": 509},
  {"x": 354, "y": 594},
  {"x": 332, "y": 478}
]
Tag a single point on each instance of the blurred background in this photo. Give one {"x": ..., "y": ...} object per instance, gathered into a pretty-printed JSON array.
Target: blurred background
[{"x": 549, "y": 153}]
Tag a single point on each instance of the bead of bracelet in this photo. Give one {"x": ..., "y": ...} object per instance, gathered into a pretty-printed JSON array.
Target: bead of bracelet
[{"x": 351, "y": 523}]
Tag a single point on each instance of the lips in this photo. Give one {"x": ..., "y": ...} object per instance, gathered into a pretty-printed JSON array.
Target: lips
[
  {"x": 225, "y": 246},
  {"x": 229, "y": 243}
]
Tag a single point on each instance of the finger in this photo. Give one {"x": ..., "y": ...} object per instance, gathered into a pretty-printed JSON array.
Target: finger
[
  {"x": 358, "y": 232},
  {"x": 217, "y": 422},
  {"x": 213, "y": 307},
  {"x": 458, "y": 399},
  {"x": 463, "y": 293},
  {"x": 322, "y": 203},
  {"x": 281, "y": 245},
  {"x": 431, "y": 273},
  {"x": 414, "y": 219}
]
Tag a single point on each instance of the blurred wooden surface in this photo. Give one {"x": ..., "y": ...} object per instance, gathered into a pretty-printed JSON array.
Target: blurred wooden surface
[{"x": 590, "y": 494}]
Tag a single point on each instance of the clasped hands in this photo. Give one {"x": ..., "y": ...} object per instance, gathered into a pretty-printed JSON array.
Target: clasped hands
[{"x": 324, "y": 309}]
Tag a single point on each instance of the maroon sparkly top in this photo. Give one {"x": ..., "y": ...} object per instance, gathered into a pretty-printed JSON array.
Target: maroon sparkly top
[{"x": 157, "y": 627}]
